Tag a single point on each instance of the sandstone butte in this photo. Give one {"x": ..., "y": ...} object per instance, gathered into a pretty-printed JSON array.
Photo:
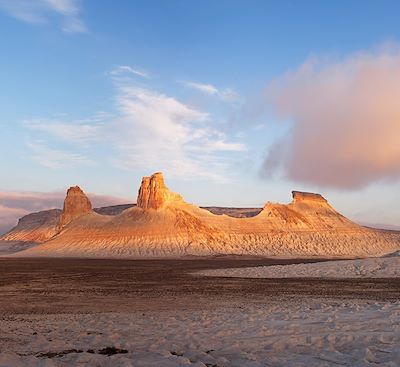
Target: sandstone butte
[
  {"x": 76, "y": 205},
  {"x": 163, "y": 225}
]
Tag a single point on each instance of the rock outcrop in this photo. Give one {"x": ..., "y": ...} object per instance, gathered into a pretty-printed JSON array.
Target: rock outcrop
[
  {"x": 162, "y": 225},
  {"x": 153, "y": 194},
  {"x": 39, "y": 227},
  {"x": 35, "y": 227},
  {"x": 299, "y": 196},
  {"x": 76, "y": 205}
]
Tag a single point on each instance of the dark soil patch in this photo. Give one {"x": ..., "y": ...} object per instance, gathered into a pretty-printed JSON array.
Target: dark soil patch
[{"x": 51, "y": 286}]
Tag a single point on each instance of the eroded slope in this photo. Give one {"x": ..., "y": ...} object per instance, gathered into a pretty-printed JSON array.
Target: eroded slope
[{"x": 164, "y": 225}]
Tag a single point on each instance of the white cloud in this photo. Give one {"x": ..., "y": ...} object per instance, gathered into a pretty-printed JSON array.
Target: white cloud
[
  {"x": 54, "y": 158},
  {"x": 149, "y": 130},
  {"x": 40, "y": 11},
  {"x": 83, "y": 131},
  {"x": 66, "y": 7},
  {"x": 227, "y": 94},
  {"x": 206, "y": 88},
  {"x": 25, "y": 10},
  {"x": 125, "y": 69},
  {"x": 161, "y": 132},
  {"x": 74, "y": 25}
]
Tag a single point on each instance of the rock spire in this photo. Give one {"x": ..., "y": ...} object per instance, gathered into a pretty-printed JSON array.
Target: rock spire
[
  {"x": 76, "y": 204},
  {"x": 153, "y": 194}
]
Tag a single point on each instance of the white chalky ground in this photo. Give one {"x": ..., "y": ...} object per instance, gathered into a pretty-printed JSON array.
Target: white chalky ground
[{"x": 311, "y": 333}]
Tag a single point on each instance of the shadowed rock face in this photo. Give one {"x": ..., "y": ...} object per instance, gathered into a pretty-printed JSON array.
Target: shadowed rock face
[
  {"x": 113, "y": 209},
  {"x": 76, "y": 204},
  {"x": 153, "y": 194}
]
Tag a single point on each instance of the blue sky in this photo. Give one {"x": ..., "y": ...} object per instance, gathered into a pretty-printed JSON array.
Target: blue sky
[{"x": 237, "y": 102}]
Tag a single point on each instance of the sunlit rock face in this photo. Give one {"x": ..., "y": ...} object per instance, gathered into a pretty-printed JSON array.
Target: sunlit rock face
[
  {"x": 76, "y": 205},
  {"x": 35, "y": 227},
  {"x": 162, "y": 225},
  {"x": 153, "y": 194},
  {"x": 299, "y": 196}
]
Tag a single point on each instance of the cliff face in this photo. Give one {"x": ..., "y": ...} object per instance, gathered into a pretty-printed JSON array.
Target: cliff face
[
  {"x": 163, "y": 225},
  {"x": 40, "y": 227},
  {"x": 76, "y": 205},
  {"x": 299, "y": 196},
  {"x": 35, "y": 227},
  {"x": 153, "y": 194}
]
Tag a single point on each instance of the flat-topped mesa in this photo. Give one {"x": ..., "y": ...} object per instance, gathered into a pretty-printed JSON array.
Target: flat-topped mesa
[
  {"x": 76, "y": 205},
  {"x": 299, "y": 196},
  {"x": 153, "y": 194}
]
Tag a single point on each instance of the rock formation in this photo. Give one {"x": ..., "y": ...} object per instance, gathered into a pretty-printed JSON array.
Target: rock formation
[
  {"x": 153, "y": 194},
  {"x": 162, "y": 225},
  {"x": 299, "y": 196},
  {"x": 40, "y": 227},
  {"x": 35, "y": 227},
  {"x": 76, "y": 205}
]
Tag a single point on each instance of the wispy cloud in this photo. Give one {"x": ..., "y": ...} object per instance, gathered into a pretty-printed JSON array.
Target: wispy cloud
[
  {"x": 149, "y": 130},
  {"x": 55, "y": 158},
  {"x": 155, "y": 130},
  {"x": 345, "y": 117},
  {"x": 206, "y": 88},
  {"x": 226, "y": 94},
  {"x": 65, "y": 7},
  {"x": 84, "y": 131},
  {"x": 126, "y": 69},
  {"x": 74, "y": 25},
  {"x": 40, "y": 12}
]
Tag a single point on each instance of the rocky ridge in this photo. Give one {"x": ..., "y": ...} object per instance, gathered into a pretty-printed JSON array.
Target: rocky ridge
[
  {"x": 40, "y": 227},
  {"x": 164, "y": 225},
  {"x": 35, "y": 227}
]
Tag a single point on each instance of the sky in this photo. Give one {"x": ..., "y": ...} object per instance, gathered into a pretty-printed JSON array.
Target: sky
[{"x": 237, "y": 102}]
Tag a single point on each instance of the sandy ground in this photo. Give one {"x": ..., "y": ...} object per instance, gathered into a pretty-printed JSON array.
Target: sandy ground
[
  {"x": 386, "y": 267},
  {"x": 66, "y": 312}
]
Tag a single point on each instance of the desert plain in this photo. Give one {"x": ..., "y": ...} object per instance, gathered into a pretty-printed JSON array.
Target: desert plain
[
  {"x": 166, "y": 283},
  {"x": 274, "y": 237},
  {"x": 101, "y": 312}
]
